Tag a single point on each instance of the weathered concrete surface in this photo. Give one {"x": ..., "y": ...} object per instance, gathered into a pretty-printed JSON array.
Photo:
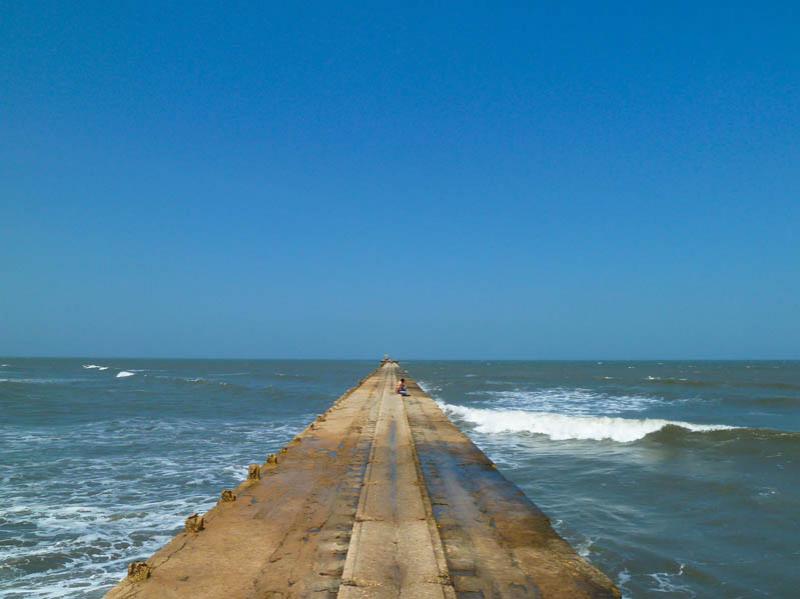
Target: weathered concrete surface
[{"x": 382, "y": 496}]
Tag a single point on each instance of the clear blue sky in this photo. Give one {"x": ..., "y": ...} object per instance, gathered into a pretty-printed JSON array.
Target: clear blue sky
[{"x": 460, "y": 180}]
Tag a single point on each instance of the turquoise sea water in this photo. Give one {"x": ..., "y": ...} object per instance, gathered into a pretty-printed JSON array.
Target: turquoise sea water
[{"x": 678, "y": 479}]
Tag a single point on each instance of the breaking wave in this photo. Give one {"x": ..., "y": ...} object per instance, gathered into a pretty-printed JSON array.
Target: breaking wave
[
  {"x": 124, "y": 373},
  {"x": 95, "y": 366},
  {"x": 560, "y": 427}
]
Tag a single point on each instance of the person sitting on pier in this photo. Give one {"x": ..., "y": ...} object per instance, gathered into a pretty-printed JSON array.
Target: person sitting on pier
[{"x": 402, "y": 389}]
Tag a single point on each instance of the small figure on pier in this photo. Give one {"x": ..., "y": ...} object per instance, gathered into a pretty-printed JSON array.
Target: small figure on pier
[{"x": 402, "y": 389}]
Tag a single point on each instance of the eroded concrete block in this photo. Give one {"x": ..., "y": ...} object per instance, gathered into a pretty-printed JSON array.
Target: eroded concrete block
[
  {"x": 138, "y": 571},
  {"x": 194, "y": 523},
  {"x": 254, "y": 472}
]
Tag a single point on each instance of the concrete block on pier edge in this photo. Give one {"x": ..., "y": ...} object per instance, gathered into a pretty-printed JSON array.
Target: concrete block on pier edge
[
  {"x": 138, "y": 571},
  {"x": 194, "y": 523}
]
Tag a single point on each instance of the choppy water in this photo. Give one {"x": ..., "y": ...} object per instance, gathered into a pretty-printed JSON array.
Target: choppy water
[{"x": 677, "y": 479}]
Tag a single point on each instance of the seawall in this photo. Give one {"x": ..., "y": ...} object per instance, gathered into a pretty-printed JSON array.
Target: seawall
[{"x": 381, "y": 496}]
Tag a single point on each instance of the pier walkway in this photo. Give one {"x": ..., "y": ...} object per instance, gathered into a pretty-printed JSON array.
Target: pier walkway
[{"x": 380, "y": 497}]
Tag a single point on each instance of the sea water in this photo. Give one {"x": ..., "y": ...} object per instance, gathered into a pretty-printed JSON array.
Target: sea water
[{"x": 678, "y": 479}]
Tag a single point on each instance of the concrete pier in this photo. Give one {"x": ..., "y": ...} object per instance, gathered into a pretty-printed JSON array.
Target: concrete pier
[{"x": 380, "y": 497}]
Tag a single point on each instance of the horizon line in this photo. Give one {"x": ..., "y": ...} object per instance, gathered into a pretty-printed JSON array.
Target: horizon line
[{"x": 412, "y": 359}]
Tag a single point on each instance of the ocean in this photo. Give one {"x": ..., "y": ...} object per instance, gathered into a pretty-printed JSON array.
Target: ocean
[{"x": 678, "y": 479}]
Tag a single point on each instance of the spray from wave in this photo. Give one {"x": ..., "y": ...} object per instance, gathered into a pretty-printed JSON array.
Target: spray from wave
[{"x": 560, "y": 427}]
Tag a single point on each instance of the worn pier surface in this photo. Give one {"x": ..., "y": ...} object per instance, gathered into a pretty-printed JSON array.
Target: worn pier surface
[{"x": 382, "y": 496}]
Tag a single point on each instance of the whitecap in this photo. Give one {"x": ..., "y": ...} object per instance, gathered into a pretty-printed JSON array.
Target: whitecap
[
  {"x": 39, "y": 381},
  {"x": 124, "y": 373},
  {"x": 560, "y": 427},
  {"x": 566, "y": 400}
]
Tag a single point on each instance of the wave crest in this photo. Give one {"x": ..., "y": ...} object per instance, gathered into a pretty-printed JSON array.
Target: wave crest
[{"x": 561, "y": 427}]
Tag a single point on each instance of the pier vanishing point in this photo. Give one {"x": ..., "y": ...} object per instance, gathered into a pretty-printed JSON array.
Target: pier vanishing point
[{"x": 380, "y": 497}]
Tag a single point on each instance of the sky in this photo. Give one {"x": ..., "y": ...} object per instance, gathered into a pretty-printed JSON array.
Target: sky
[{"x": 480, "y": 180}]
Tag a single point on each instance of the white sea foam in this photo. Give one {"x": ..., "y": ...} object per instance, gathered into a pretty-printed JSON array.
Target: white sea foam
[
  {"x": 584, "y": 548},
  {"x": 623, "y": 579},
  {"x": 83, "y": 536},
  {"x": 565, "y": 400},
  {"x": 668, "y": 582},
  {"x": 92, "y": 366},
  {"x": 561, "y": 427},
  {"x": 124, "y": 373},
  {"x": 428, "y": 388}
]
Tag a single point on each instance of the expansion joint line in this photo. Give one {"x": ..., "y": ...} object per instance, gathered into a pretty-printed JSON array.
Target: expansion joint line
[{"x": 436, "y": 541}]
